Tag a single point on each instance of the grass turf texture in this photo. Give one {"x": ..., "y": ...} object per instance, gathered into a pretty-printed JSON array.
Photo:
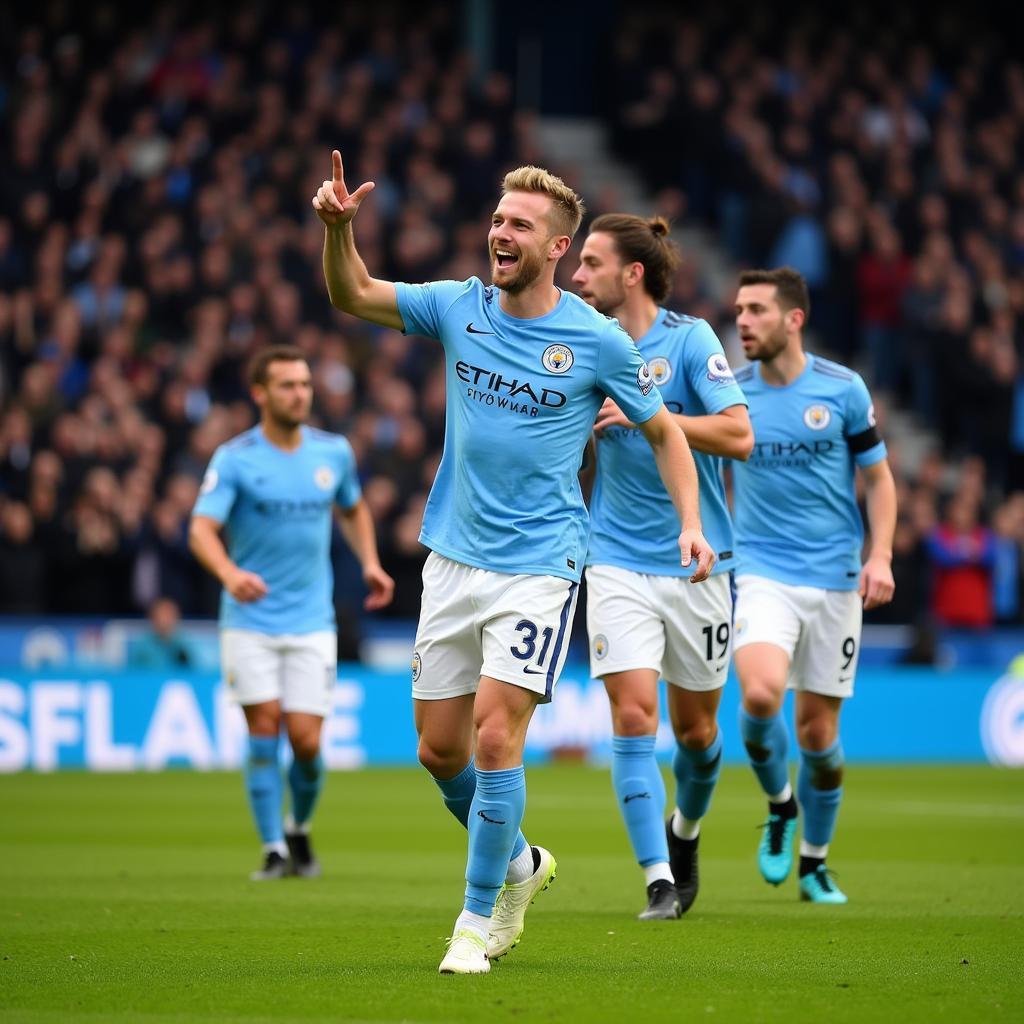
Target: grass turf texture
[{"x": 125, "y": 898}]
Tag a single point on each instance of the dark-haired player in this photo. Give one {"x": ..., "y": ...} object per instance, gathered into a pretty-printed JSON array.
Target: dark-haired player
[
  {"x": 644, "y": 618},
  {"x": 801, "y": 588}
]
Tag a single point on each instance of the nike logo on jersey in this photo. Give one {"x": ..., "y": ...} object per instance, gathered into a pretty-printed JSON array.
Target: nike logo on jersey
[
  {"x": 533, "y": 671},
  {"x": 636, "y": 796},
  {"x": 470, "y": 329}
]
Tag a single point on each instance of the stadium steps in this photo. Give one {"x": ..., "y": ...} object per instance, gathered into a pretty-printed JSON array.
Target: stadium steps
[{"x": 579, "y": 148}]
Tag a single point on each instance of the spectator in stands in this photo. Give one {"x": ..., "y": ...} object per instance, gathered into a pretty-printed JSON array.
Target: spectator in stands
[
  {"x": 962, "y": 553},
  {"x": 23, "y": 589},
  {"x": 164, "y": 645},
  {"x": 155, "y": 230}
]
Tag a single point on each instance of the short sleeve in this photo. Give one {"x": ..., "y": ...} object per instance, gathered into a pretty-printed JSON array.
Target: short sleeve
[
  {"x": 422, "y": 306},
  {"x": 219, "y": 488},
  {"x": 708, "y": 370},
  {"x": 623, "y": 376},
  {"x": 348, "y": 491},
  {"x": 861, "y": 432}
]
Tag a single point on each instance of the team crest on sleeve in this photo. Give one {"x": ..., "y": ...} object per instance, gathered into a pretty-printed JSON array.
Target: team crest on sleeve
[
  {"x": 600, "y": 646},
  {"x": 817, "y": 417},
  {"x": 719, "y": 370},
  {"x": 644, "y": 380},
  {"x": 661, "y": 370},
  {"x": 417, "y": 666},
  {"x": 209, "y": 481},
  {"x": 557, "y": 358},
  {"x": 324, "y": 478}
]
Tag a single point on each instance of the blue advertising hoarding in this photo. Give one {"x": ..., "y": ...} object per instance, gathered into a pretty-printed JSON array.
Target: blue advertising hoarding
[{"x": 125, "y": 721}]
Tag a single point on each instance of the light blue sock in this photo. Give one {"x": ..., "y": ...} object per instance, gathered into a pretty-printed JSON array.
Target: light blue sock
[
  {"x": 263, "y": 784},
  {"x": 494, "y": 819},
  {"x": 696, "y": 773},
  {"x": 640, "y": 790},
  {"x": 306, "y": 779},
  {"x": 819, "y": 789},
  {"x": 767, "y": 744},
  {"x": 457, "y": 794}
]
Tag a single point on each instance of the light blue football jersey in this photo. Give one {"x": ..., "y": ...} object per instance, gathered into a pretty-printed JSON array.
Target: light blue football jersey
[
  {"x": 521, "y": 401},
  {"x": 795, "y": 513},
  {"x": 276, "y": 508},
  {"x": 634, "y": 524}
]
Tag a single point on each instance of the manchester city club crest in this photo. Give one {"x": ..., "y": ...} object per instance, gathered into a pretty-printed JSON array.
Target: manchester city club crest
[
  {"x": 600, "y": 646},
  {"x": 324, "y": 478},
  {"x": 417, "y": 666},
  {"x": 817, "y": 417},
  {"x": 661, "y": 370},
  {"x": 557, "y": 358}
]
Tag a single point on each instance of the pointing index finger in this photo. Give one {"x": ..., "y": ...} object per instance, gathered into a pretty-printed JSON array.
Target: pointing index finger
[{"x": 336, "y": 165}]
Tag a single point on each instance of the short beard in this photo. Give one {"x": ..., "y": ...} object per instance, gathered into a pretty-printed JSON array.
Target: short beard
[
  {"x": 607, "y": 307},
  {"x": 284, "y": 421},
  {"x": 527, "y": 274},
  {"x": 770, "y": 347}
]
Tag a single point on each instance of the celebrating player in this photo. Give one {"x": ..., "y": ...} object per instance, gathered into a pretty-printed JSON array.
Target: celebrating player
[
  {"x": 274, "y": 488},
  {"x": 527, "y": 368},
  {"x": 801, "y": 587},
  {"x": 643, "y": 617}
]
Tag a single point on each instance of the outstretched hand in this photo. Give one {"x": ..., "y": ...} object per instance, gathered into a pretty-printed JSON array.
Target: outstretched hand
[{"x": 333, "y": 202}]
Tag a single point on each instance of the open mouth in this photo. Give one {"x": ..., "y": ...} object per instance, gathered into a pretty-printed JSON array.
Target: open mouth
[{"x": 505, "y": 258}]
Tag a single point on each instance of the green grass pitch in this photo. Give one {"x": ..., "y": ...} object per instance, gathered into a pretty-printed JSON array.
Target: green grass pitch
[{"x": 125, "y": 899}]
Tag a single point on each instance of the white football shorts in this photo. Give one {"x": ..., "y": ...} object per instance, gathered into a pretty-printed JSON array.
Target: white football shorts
[
  {"x": 818, "y": 629},
  {"x": 681, "y": 630},
  {"x": 298, "y": 669},
  {"x": 474, "y": 622}
]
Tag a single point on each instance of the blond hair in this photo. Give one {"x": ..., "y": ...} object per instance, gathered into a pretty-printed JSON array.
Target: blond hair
[{"x": 567, "y": 207}]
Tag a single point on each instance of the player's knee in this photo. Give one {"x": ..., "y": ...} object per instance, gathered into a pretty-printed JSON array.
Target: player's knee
[
  {"x": 816, "y": 733},
  {"x": 760, "y": 701},
  {"x": 444, "y": 760},
  {"x": 441, "y": 763},
  {"x": 632, "y": 718},
  {"x": 697, "y": 735},
  {"x": 305, "y": 748},
  {"x": 494, "y": 746}
]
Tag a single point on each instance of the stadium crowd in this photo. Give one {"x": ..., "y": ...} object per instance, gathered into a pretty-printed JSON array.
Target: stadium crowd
[{"x": 155, "y": 229}]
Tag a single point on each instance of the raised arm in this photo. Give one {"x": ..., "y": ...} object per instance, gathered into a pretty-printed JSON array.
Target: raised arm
[
  {"x": 679, "y": 474},
  {"x": 349, "y": 284}
]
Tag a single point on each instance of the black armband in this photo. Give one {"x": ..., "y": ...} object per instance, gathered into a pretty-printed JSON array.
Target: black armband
[{"x": 863, "y": 441}]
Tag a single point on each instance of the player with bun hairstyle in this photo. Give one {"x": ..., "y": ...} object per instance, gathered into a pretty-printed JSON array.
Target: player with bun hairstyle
[{"x": 644, "y": 618}]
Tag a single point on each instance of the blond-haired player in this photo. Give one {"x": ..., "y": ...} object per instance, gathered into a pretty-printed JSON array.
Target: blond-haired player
[{"x": 527, "y": 368}]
